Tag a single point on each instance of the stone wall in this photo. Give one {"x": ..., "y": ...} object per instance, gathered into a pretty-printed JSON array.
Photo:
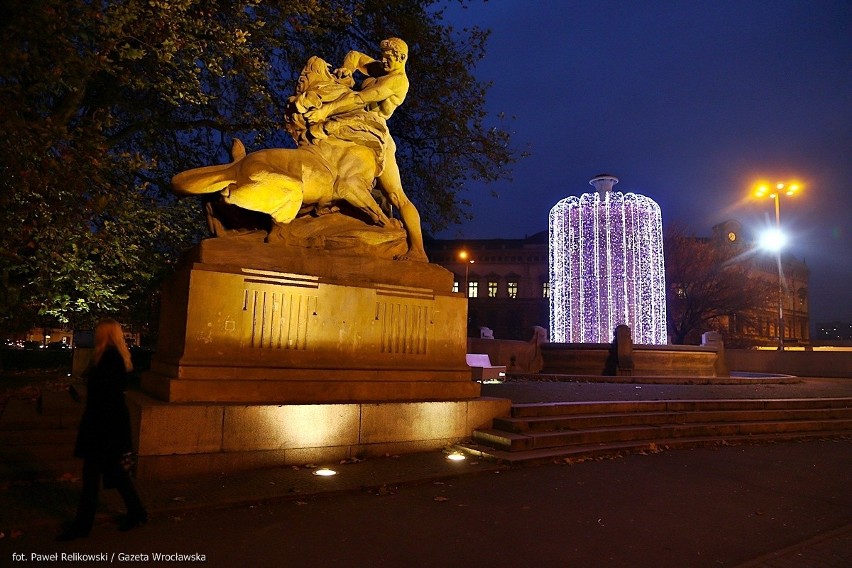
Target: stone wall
[{"x": 799, "y": 363}]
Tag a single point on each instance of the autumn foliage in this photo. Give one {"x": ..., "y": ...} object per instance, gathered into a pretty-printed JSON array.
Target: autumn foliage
[{"x": 102, "y": 102}]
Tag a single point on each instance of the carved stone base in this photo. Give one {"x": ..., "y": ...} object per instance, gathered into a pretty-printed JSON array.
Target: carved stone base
[
  {"x": 250, "y": 322},
  {"x": 179, "y": 439},
  {"x": 648, "y": 360},
  {"x": 335, "y": 232}
]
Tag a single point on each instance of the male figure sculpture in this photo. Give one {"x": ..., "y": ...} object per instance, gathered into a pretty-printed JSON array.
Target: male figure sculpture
[{"x": 383, "y": 90}]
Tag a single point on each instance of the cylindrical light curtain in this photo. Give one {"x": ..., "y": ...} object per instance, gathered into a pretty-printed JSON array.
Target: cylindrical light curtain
[{"x": 606, "y": 269}]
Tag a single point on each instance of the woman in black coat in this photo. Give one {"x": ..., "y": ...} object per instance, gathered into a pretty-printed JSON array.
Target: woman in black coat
[{"x": 104, "y": 437}]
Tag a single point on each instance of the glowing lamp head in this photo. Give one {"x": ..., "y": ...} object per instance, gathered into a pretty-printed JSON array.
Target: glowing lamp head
[
  {"x": 773, "y": 240},
  {"x": 463, "y": 255},
  {"x": 771, "y": 190},
  {"x": 324, "y": 472},
  {"x": 762, "y": 190},
  {"x": 456, "y": 456}
]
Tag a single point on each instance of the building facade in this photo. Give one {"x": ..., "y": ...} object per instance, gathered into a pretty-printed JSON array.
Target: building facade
[
  {"x": 505, "y": 280},
  {"x": 507, "y": 283},
  {"x": 761, "y": 328}
]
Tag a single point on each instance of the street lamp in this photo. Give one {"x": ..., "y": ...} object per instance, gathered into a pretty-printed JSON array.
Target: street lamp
[
  {"x": 775, "y": 241},
  {"x": 464, "y": 257}
]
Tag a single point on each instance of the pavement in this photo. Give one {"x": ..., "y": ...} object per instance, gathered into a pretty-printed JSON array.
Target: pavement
[{"x": 28, "y": 506}]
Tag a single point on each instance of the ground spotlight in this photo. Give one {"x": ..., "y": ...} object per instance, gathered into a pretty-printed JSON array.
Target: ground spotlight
[{"x": 324, "y": 472}]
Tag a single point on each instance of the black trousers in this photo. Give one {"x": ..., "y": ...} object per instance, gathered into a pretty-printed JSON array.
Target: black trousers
[{"x": 94, "y": 470}]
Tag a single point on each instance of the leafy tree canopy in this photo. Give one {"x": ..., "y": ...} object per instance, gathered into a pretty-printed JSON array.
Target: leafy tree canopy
[{"x": 102, "y": 102}]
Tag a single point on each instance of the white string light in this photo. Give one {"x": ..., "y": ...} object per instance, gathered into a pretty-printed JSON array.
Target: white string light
[{"x": 606, "y": 268}]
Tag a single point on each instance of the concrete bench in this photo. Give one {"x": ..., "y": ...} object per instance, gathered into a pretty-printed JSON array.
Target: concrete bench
[{"x": 482, "y": 369}]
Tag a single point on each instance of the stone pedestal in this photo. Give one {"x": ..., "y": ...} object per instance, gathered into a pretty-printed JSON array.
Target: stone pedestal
[
  {"x": 180, "y": 439},
  {"x": 248, "y": 322},
  {"x": 269, "y": 355}
]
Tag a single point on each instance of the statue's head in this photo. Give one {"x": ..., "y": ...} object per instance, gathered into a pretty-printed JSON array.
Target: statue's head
[{"x": 396, "y": 47}]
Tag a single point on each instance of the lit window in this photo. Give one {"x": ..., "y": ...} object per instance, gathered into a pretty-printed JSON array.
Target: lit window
[
  {"x": 473, "y": 289},
  {"x": 455, "y": 286},
  {"x": 492, "y": 289},
  {"x": 545, "y": 289},
  {"x": 513, "y": 289}
]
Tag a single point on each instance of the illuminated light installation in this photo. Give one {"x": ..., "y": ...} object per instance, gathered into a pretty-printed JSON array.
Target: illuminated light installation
[{"x": 606, "y": 267}]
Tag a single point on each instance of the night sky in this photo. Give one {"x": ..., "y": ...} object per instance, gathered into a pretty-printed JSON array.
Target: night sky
[{"x": 686, "y": 102}]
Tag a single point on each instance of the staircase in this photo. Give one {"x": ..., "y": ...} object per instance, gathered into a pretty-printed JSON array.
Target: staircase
[{"x": 539, "y": 433}]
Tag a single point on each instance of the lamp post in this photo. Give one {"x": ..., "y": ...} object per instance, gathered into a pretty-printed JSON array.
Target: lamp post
[
  {"x": 776, "y": 242},
  {"x": 464, "y": 257}
]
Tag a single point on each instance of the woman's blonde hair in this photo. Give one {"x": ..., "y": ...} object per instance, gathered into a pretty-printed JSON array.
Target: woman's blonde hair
[{"x": 108, "y": 333}]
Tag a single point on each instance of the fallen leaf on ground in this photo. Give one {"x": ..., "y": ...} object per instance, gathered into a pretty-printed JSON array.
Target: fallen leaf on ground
[{"x": 441, "y": 499}]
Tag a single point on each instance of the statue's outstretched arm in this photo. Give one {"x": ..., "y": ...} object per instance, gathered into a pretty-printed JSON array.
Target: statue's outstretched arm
[{"x": 355, "y": 60}]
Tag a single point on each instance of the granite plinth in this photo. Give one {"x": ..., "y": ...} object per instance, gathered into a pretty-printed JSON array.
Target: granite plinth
[
  {"x": 251, "y": 322},
  {"x": 178, "y": 439}
]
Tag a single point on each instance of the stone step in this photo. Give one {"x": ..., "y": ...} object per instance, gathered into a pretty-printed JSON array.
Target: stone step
[
  {"x": 564, "y": 427},
  {"x": 617, "y": 407},
  {"x": 534, "y": 440},
  {"x": 586, "y": 421},
  {"x": 578, "y": 453}
]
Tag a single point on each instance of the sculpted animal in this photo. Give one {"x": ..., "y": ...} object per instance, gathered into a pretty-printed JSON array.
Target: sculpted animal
[{"x": 337, "y": 160}]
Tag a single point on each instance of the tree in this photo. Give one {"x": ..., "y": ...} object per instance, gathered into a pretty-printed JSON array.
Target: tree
[
  {"x": 710, "y": 282},
  {"x": 102, "y": 102}
]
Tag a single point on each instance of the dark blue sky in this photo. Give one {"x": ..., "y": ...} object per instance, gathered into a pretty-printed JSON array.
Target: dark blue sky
[{"x": 687, "y": 102}]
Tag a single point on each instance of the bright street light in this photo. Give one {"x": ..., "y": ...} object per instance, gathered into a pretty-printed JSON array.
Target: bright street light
[
  {"x": 775, "y": 240},
  {"x": 764, "y": 189}
]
